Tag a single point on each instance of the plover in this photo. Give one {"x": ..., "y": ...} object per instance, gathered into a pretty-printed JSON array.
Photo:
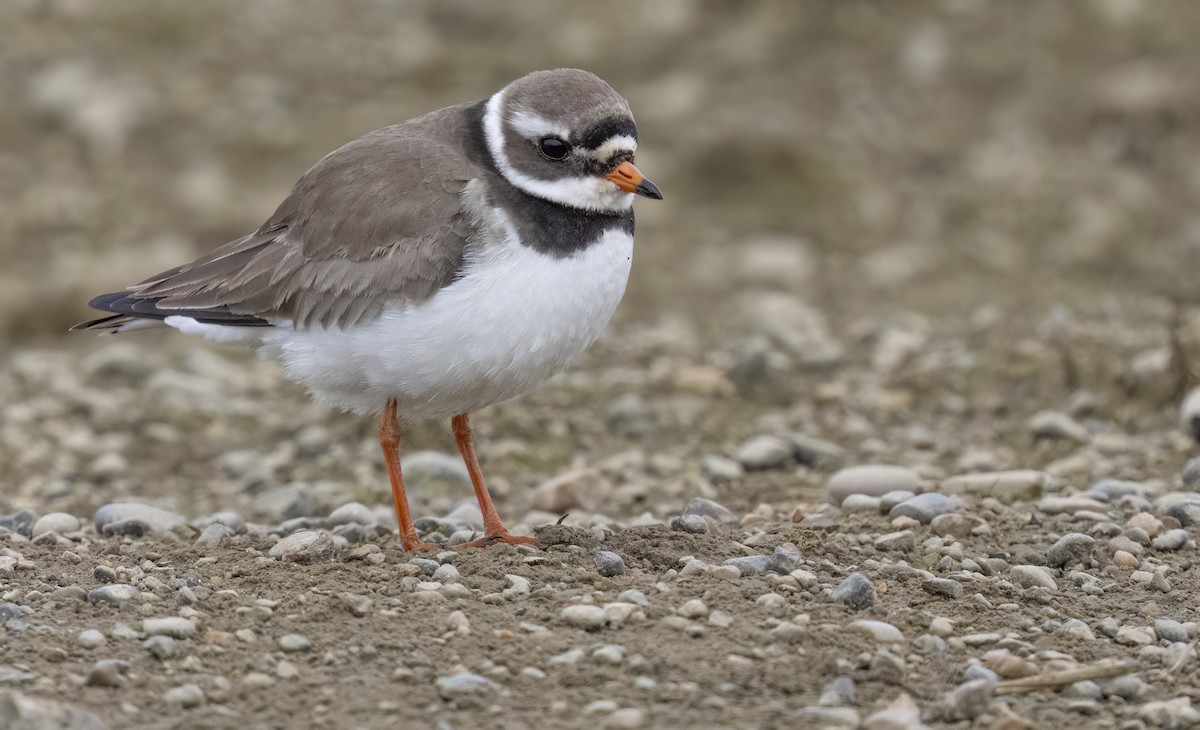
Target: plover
[{"x": 430, "y": 268}]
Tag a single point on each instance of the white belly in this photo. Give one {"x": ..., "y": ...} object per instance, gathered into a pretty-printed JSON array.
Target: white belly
[{"x": 515, "y": 318}]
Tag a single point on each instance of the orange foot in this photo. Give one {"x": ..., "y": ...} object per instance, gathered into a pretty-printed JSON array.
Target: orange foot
[
  {"x": 500, "y": 537},
  {"x": 415, "y": 545}
]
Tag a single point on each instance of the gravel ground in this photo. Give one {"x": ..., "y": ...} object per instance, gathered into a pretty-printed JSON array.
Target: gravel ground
[{"x": 887, "y": 433}]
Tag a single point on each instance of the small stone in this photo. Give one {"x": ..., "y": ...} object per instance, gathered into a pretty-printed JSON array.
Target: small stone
[
  {"x": 1175, "y": 713},
  {"x": 693, "y": 608},
  {"x": 1006, "y": 486},
  {"x": 351, "y": 513},
  {"x": 1125, "y": 560},
  {"x": 881, "y": 631},
  {"x": 784, "y": 560},
  {"x": 924, "y": 507},
  {"x": 1071, "y": 548},
  {"x": 583, "y": 616},
  {"x": 173, "y": 626},
  {"x": 1032, "y": 576},
  {"x": 1134, "y": 636},
  {"x": 105, "y": 574},
  {"x": 1128, "y": 687},
  {"x": 856, "y": 591},
  {"x": 446, "y": 573},
  {"x": 873, "y": 480},
  {"x": 292, "y": 643},
  {"x": 609, "y": 654},
  {"x": 1008, "y": 665},
  {"x": 692, "y": 524},
  {"x": 609, "y": 564},
  {"x": 968, "y": 700},
  {"x": 749, "y": 565},
  {"x": 1171, "y": 540},
  {"x": 213, "y": 535},
  {"x": 943, "y": 587},
  {"x": 630, "y": 417},
  {"x": 107, "y": 673},
  {"x": 955, "y": 524},
  {"x": 135, "y": 520},
  {"x": 816, "y": 453},
  {"x": 765, "y": 452},
  {"x": 91, "y": 639},
  {"x": 1086, "y": 689},
  {"x": 187, "y": 695},
  {"x": 59, "y": 522},
  {"x": 305, "y": 546},
  {"x": 357, "y": 604},
  {"x": 720, "y": 469},
  {"x": 464, "y": 684},
  {"x": 21, "y": 712},
  {"x": 626, "y": 718},
  {"x": 903, "y": 540},
  {"x": 838, "y": 693},
  {"x": 114, "y": 595},
  {"x": 161, "y": 647},
  {"x": 257, "y": 680},
  {"x": 708, "y": 508},
  {"x": 578, "y": 488},
  {"x": 1056, "y": 425},
  {"x": 1170, "y": 630}
]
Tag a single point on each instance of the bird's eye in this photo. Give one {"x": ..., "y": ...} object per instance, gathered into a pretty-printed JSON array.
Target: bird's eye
[{"x": 554, "y": 148}]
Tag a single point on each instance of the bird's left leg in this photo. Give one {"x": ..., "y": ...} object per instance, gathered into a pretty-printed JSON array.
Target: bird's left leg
[{"x": 493, "y": 528}]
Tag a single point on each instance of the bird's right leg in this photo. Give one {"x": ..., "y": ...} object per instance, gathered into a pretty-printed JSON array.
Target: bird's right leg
[{"x": 389, "y": 441}]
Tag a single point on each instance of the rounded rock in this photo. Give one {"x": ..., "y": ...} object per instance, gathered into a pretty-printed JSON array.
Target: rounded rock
[
  {"x": 609, "y": 564},
  {"x": 293, "y": 643},
  {"x": 874, "y": 480},
  {"x": 856, "y": 591},
  {"x": 59, "y": 522},
  {"x": 583, "y": 616}
]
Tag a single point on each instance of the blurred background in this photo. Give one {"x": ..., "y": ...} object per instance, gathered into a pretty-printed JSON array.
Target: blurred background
[{"x": 903, "y": 228}]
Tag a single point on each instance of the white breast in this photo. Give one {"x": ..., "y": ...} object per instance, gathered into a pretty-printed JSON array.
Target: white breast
[{"x": 513, "y": 319}]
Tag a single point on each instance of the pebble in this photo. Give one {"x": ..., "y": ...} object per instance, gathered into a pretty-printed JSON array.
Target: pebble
[
  {"x": 107, "y": 673},
  {"x": 1174, "y": 713},
  {"x": 693, "y": 524},
  {"x": 693, "y": 608},
  {"x": 187, "y": 695},
  {"x": 351, "y": 513},
  {"x": 609, "y": 653},
  {"x": 464, "y": 684},
  {"x": 91, "y": 639},
  {"x": 357, "y": 604},
  {"x": 630, "y": 417},
  {"x": 708, "y": 508},
  {"x": 212, "y": 535},
  {"x": 720, "y": 469},
  {"x": 134, "y": 520},
  {"x": 1171, "y": 540},
  {"x": 783, "y": 561},
  {"x": 749, "y": 565},
  {"x": 1032, "y": 576},
  {"x": 173, "y": 626},
  {"x": 838, "y": 693},
  {"x": 1006, "y": 486},
  {"x": 903, "y": 540},
  {"x": 578, "y": 488},
  {"x": 609, "y": 564},
  {"x": 1170, "y": 630},
  {"x": 114, "y": 595},
  {"x": 943, "y": 587},
  {"x": 59, "y": 522},
  {"x": 881, "y": 631},
  {"x": 856, "y": 591},
  {"x": 955, "y": 524},
  {"x": 583, "y": 616},
  {"x": 1070, "y": 549},
  {"x": 873, "y": 480},
  {"x": 901, "y": 714},
  {"x": 968, "y": 700},
  {"x": 161, "y": 647},
  {"x": 21, "y": 712},
  {"x": 765, "y": 452},
  {"x": 305, "y": 546},
  {"x": 1057, "y": 425},
  {"x": 924, "y": 507},
  {"x": 292, "y": 643}
]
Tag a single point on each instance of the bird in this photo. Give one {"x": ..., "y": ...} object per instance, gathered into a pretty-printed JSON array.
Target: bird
[{"x": 430, "y": 268}]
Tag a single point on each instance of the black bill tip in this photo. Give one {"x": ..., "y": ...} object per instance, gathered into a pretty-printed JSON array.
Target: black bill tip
[{"x": 647, "y": 189}]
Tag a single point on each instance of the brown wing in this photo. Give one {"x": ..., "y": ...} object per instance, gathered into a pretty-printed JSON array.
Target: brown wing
[{"x": 378, "y": 221}]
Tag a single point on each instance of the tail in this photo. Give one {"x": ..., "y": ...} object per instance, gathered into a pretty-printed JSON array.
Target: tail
[{"x": 130, "y": 313}]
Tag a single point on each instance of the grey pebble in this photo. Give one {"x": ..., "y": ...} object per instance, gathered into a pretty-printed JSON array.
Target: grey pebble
[
  {"x": 609, "y": 564},
  {"x": 464, "y": 684},
  {"x": 902, "y": 540},
  {"x": 856, "y": 591},
  {"x": 174, "y": 626},
  {"x": 1170, "y": 630},
  {"x": 357, "y": 604},
  {"x": 924, "y": 507},
  {"x": 306, "y": 546},
  {"x": 630, "y": 417},
  {"x": 1128, "y": 687},
  {"x": 693, "y": 524},
  {"x": 161, "y": 647},
  {"x": 783, "y": 561},
  {"x": 186, "y": 695},
  {"x": 114, "y": 595},
  {"x": 351, "y": 513},
  {"x": 212, "y": 535},
  {"x": 720, "y": 469},
  {"x": 968, "y": 700},
  {"x": 105, "y": 574},
  {"x": 1084, "y": 689},
  {"x": 874, "y": 480},
  {"x": 59, "y": 522},
  {"x": 708, "y": 508},
  {"x": 292, "y": 643},
  {"x": 107, "y": 673},
  {"x": 943, "y": 587},
  {"x": 765, "y": 452},
  {"x": 135, "y": 520},
  {"x": 1171, "y": 540},
  {"x": 838, "y": 693},
  {"x": 1071, "y": 548},
  {"x": 91, "y": 639},
  {"x": 816, "y": 453},
  {"x": 750, "y": 565},
  {"x": 19, "y": 522},
  {"x": 1191, "y": 472}
]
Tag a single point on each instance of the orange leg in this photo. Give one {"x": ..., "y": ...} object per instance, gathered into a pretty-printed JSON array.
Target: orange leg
[
  {"x": 492, "y": 527},
  {"x": 389, "y": 441}
]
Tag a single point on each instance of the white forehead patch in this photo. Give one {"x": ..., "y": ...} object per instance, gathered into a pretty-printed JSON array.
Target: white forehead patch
[
  {"x": 613, "y": 145},
  {"x": 531, "y": 126}
]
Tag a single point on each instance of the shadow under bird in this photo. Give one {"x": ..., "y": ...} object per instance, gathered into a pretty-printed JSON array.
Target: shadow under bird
[{"x": 430, "y": 268}]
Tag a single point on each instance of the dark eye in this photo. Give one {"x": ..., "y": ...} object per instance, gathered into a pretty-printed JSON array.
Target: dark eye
[{"x": 554, "y": 148}]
